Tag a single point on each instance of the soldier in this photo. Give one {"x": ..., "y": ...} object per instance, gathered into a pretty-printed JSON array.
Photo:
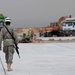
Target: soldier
[{"x": 8, "y": 42}]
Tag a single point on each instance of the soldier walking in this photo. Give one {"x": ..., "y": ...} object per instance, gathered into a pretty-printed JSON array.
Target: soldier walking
[{"x": 8, "y": 42}]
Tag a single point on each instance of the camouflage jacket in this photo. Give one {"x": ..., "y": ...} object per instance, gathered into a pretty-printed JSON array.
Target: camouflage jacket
[{"x": 6, "y": 37}]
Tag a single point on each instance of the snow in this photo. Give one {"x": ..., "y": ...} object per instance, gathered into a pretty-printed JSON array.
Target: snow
[{"x": 43, "y": 59}]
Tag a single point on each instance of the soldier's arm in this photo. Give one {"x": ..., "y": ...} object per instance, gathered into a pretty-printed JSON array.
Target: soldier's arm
[
  {"x": 1, "y": 38},
  {"x": 15, "y": 36}
]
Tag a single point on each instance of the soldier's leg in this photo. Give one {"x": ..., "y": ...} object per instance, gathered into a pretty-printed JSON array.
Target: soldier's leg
[
  {"x": 9, "y": 57},
  {"x": 5, "y": 50}
]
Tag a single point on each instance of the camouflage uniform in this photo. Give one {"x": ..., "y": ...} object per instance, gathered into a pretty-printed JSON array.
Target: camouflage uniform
[{"x": 8, "y": 43}]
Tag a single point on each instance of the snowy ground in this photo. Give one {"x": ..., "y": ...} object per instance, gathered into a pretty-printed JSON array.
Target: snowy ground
[{"x": 43, "y": 59}]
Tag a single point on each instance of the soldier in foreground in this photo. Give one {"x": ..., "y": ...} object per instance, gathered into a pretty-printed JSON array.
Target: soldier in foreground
[{"x": 8, "y": 42}]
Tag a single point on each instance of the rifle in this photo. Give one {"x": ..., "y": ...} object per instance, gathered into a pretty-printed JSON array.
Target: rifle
[{"x": 16, "y": 46}]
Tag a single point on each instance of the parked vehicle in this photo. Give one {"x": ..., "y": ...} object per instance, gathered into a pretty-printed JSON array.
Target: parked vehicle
[
  {"x": 55, "y": 27},
  {"x": 68, "y": 27}
]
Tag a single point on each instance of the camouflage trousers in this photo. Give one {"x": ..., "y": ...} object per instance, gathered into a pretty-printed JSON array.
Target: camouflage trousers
[{"x": 9, "y": 51}]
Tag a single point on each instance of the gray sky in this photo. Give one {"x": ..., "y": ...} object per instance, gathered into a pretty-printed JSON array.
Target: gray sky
[{"x": 29, "y": 13}]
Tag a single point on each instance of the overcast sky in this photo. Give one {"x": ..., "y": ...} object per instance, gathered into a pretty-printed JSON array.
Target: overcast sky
[{"x": 29, "y": 13}]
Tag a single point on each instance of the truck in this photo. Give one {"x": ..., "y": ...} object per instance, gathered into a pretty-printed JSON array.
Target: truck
[
  {"x": 55, "y": 28},
  {"x": 68, "y": 27}
]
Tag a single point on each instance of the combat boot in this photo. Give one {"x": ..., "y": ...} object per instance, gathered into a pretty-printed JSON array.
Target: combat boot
[{"x": 9, "y": 67}]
